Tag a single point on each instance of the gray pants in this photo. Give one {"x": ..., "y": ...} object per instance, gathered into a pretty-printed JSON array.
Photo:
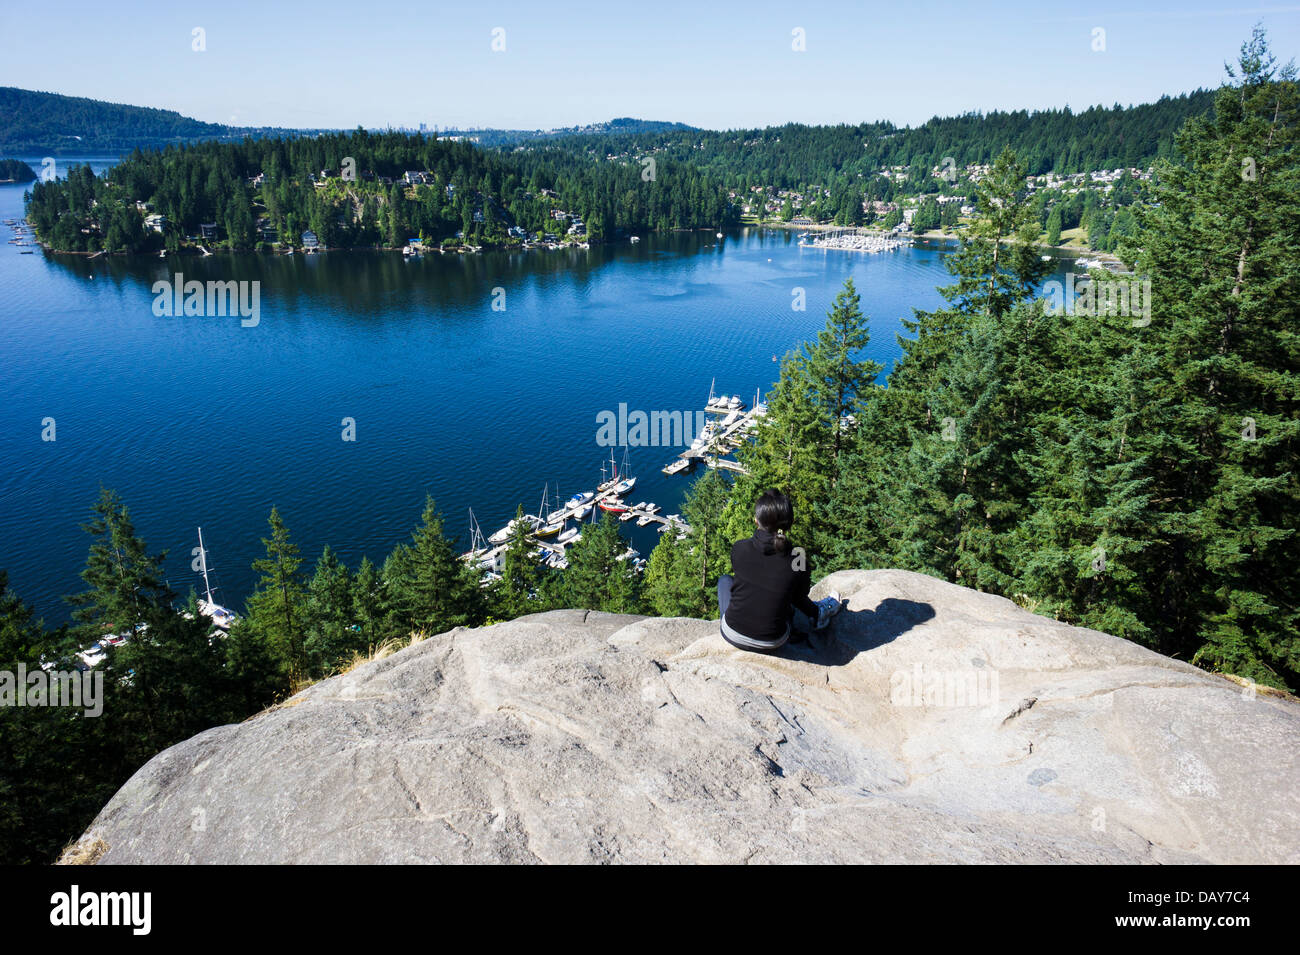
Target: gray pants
[{"x": 735, "y": 638}]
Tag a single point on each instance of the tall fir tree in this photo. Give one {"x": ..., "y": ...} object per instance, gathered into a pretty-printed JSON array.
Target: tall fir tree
[{"x": 276, "y": 610}]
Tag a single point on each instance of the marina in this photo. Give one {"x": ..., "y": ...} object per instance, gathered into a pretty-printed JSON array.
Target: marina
[
  {"x": 732, "y": 424},
  {"x": 852, "y": 240}
]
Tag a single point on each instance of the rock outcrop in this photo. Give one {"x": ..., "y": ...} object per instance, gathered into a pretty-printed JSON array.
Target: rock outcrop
[{"x": 931, "y": 724}]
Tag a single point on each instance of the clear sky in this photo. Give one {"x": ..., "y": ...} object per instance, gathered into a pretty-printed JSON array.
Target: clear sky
[{"x": 710, "y": 63}]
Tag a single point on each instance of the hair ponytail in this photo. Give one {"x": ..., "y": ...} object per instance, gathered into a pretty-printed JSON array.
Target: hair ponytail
[{"x": 775, "y": 514}]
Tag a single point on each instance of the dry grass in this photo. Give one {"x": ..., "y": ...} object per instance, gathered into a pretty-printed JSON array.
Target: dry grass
[
  {"x": 1259, "y": 688},
  {"x": 84, "y": 852},
  {"x": 381, "y": 650},
  {"x": 376, "y": 652}
]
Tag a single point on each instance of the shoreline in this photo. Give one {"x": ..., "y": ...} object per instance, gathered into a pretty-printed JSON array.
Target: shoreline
[{"x": 937, "y": 235}]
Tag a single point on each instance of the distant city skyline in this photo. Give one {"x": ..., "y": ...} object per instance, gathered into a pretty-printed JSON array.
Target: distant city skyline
[{"x": 509, "y": 65}]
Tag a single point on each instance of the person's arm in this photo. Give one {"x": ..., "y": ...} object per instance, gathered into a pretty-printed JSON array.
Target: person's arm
[{"x": 799, "y": 587}]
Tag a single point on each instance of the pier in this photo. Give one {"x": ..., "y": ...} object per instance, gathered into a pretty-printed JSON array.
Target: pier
[
  {"x": 729, "y": 425},
  {"x": 721, "y": 436},
  {"x": 851, "y": 240},
  {"x": 491, "y": 556}
]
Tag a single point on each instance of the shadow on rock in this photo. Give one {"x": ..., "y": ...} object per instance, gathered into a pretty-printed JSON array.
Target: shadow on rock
[{"x": 855, "y": 631}]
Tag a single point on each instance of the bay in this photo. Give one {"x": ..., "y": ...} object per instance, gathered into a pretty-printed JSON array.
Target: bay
[{"x": 201, "y": 421}]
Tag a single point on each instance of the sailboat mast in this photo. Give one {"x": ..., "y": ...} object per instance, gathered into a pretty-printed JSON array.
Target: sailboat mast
[{"x": 203, "y": 563}]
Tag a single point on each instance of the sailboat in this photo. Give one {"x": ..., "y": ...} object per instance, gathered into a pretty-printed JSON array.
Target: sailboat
[
  {"x": 618, "y": 483},
  {"x": 528, "y": 521},
  {"x": 477, "y": 546},
  {"x": 222, "y": 617},
  {"x": 549, "y": 525}
]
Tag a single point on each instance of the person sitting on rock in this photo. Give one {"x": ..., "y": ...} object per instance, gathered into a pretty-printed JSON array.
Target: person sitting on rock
[{"x": 768, "y": 583}]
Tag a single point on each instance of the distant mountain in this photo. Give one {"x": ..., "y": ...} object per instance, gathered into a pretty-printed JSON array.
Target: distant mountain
[
  {"x": 33, "y": 122},
  {"x": 622, "y": 126}
]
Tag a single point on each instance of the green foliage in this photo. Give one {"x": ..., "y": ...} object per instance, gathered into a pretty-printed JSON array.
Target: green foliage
[
  {"x": 429, "y": 588},
  {"x": 125, "y": 581},
  {"x": 276, "y": 610},
  {"x": 524, "y": 585},
  {"x": 681, "y": 576},
  {"x": 475, "y": 191},
  {"x": 597, "y": 579},
  {"x": 1132, "y": 473},
  {"x": 15, "y": 170},
  {"x": 812, "y": 412},
  {"x": 331, "y": 630}
]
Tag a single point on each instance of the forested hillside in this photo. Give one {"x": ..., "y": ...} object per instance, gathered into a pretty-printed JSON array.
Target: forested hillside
[
  {"x": 32, "y": 122},
  {"x": 1133, "y": 470},
  {"x": 1047, "y": 140},
  {"x": 348, "y": 189}
]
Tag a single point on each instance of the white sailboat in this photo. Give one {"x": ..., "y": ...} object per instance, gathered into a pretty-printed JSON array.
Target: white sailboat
[
  {"x": 549, "y": 523},
  {"x": 222, "y": 617}
]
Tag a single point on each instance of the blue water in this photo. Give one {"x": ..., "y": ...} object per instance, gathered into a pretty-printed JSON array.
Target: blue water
[{"x": 200, "y": 421}]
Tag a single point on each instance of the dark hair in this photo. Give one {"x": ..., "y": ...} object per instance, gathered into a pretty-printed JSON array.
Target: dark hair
[{"x": 775, "y": 514}]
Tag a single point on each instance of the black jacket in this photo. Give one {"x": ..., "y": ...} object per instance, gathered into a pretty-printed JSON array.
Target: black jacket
[{"x": 766, "y": 587}]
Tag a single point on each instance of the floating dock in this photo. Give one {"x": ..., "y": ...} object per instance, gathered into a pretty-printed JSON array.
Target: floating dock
[
  {"x": 490, "y": 558},
  {"x": 720, "y": 437}
]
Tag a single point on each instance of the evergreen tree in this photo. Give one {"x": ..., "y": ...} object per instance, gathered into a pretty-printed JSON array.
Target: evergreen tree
[
  {"x": 521, "y": 587},
  {"x": 598, "y": 578},
  {"x": 682, "y": 576},
  {"x": 125, "y": 581},
  {"x": 330, "y": 632},
  {"x": 1221, "y": 248},
  {"x": 368, "y": 604},
  {"x": 429, "y": 588},
  {"x": 1054, "y": 227},
  {"x": 276, "y": 611}
]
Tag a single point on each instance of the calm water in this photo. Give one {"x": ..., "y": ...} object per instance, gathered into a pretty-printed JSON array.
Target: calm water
[{"x": 199, "y": 421}]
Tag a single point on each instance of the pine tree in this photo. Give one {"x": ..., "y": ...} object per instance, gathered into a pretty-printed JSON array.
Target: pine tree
[
  {"x": 276, "y": 610},
  {"x": 429, "y": 588},
  {"x": 596, "y": 578},
  {"x": 682, "y": 580},
  {"x": 126, "y": 582},
  {"x": 1221, "y": 248},
  {"x": 331, "y": 631},
  {"x": 841, "y": 382},
  {"x": 521, "y": 587},
  {"x": 368, "y": 604}
]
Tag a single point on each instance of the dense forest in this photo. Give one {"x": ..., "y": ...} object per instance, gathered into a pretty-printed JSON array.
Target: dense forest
[
  {"x": 15, "y": 170},
  {"x": 348, "y": 189},
  {"x": 786, "y": 157},
  {"x": 1137, "y": 475}
]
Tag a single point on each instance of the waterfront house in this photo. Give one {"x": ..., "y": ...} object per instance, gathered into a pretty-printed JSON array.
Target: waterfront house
[{"x": 309, "y": 241}]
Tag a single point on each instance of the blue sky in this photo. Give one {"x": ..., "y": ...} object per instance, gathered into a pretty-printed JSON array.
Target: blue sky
[{"x": 713, "y": 64}]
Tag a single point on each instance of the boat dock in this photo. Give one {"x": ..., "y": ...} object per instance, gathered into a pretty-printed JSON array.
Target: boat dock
[
  {"x": 853, "y": 240},
  {"x": 729, "y": 424},
  {"x": 731, "y": 428},
  {"x": 490, "y": 557}
]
